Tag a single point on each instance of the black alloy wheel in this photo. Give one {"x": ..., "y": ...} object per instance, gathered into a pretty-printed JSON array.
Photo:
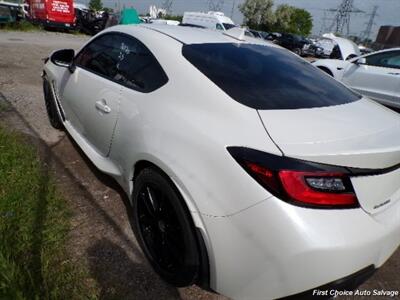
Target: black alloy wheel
[
  {"x": 50, "y": 104},
  {"x": 165, "y": 229}
]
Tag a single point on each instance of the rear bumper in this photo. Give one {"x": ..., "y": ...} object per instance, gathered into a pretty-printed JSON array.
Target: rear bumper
[
  {"x": 274, "y": 250},
  {"x": 327, "y": 291}
]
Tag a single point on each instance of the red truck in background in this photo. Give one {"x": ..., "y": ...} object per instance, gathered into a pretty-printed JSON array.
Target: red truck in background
[{"x": 51, "y": 13}]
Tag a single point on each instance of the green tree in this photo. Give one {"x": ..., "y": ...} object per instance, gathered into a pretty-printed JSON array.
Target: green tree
[
  {"x": 283, "y": 18},
  {"x": 95, "y": 5},
  {"x": 294, "y": 20},
  {"x": 258, "y": 14},
  {"x": 301, "y": 22},
  {"x": 108, "y": 10},
  {"x": 173, "y": 17}
]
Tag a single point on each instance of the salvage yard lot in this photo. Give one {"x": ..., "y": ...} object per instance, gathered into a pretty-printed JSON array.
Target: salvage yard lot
[{"x": 101, "y": 238}]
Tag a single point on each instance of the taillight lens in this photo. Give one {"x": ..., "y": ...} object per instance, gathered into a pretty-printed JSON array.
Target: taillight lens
[
  {"x": 298, "y": 182},
  {"x": 265, "y": 177},
  {"x": 323, "y": 189}
]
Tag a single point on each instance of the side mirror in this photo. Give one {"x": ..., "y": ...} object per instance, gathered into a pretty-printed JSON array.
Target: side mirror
[
  {"x": 361, "y": 61},
  {"x": 63, "y": 58}
]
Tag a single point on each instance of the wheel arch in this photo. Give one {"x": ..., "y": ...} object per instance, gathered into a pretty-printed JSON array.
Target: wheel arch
[
  {"x": 326, "y": 70},
  {"x": 198, "y": 224}
]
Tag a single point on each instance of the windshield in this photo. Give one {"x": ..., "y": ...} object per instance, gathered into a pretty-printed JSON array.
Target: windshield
[
  {"x": 228, "y": 26},
  {"x": 4, "y": 12},
  {"x": 265, "y": 77}
]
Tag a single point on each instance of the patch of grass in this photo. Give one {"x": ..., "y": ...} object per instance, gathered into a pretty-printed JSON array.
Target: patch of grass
[
  {"x": 21, "y": 26},
  {"x": 34, "y": 224},
  {"x": 3, "y": 105}
]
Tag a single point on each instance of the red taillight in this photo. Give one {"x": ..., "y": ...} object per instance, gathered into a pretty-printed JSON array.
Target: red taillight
[
  {"x": 321, "y": 189},
  {"x": 297, "y": 187},
  {"x": 263, "y": 175}
]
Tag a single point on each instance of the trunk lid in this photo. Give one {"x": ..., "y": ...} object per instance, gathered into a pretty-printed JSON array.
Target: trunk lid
[
  {"x": 377, "y": 192},
  {"x": 361, "y": 134}
]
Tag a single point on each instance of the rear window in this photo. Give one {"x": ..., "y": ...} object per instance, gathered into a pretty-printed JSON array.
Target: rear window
[
  {"x": 264, "y": 77},
  {"x": 228, "y": 26}
]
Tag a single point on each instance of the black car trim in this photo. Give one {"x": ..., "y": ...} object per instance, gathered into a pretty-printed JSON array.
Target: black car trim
[{"x": 60, "y": 109}]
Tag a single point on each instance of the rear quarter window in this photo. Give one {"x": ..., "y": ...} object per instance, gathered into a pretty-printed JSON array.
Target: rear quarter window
[{"x": 264, "y": 77}]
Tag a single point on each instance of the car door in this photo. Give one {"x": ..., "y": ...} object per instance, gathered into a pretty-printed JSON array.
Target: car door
[
  {"x": 91, "y": 95},
  {"x": 377, "y": 78}
]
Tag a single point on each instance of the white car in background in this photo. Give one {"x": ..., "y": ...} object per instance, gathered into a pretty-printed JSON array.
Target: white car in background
[
  {"x": 375, "y": 75},
  {"x": 211, "y": 20},
  {"x": 257, "y": 177},
  {"x": 336, "y": 47}
]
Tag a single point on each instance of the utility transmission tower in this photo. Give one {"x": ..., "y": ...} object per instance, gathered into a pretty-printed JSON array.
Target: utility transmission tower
[
  {"x": 233, "y": 8},
  {"x": 167, "y": 5},
  {"x": 323, "y": 25},
  {"x": 368, "y": 30},
  {"x": 343, "y": 16},
  {"x": 215, "y": 5}
]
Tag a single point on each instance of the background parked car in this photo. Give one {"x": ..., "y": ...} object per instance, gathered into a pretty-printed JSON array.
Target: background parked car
[
  {"x": 5, "y": 15},
  {"x": 210, "y": 20},
  {"x": 273, "y": 36},
  {"x": 10, "y": 12},
  {"x": 311, "y": 49},
  {"x": 376, "y": 75},
  {"x": 256, "y": 34},
  {"x": 293, "y": 42},
  {"x": 52, "y": 13},
  {"x": 326, "y": 45}
]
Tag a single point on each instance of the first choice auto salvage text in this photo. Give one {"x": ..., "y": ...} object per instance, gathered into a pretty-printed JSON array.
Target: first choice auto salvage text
[{"x": 336, "y": 293}]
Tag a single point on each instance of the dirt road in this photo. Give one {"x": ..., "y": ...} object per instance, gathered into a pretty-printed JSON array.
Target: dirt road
[{"x": 101, "y": 237}]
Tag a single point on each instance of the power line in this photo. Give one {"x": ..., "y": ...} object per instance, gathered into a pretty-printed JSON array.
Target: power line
[
  {"x": 323, "y": 26},
  {"x": 343, "y": 16},
  {"x": 365, "y": 35},
  {"x": 215, "y": 5},
  {"x": 233, "y": 8},
  {"x": 167, "y": 5}
]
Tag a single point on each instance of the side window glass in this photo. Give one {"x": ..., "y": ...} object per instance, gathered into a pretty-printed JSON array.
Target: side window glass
[
  {"x": 219, "y": 27},
  {"x": 137, "y": 67},
  {"x": 387, "y": 60},
  {"x": 101, "y": 56},
  {"x": 336, "y": 53}
]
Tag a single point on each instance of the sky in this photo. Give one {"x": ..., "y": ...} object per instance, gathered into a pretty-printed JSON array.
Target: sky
[{"x": 388, "y": 11}]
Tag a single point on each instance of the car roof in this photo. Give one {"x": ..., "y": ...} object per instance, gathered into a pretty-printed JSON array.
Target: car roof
[
  {"x": 189, "y": 35},
  {"x": 384, "y": 50}
]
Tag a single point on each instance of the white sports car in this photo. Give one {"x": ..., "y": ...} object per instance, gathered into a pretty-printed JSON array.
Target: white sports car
[
  {"x": 375, "y": 75},
  {"x": 249, "y": 170}
]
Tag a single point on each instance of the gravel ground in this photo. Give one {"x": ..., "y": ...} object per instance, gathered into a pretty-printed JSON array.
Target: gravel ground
[{"x": 101, "y": 237}]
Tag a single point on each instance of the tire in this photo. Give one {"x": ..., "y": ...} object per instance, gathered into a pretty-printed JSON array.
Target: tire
[
  {"x": 51, "y": 108},
  {"x": 297, "y": 51},
  {"x": 164, "y": 228}
]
